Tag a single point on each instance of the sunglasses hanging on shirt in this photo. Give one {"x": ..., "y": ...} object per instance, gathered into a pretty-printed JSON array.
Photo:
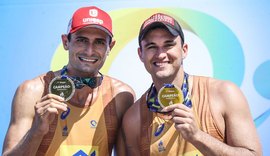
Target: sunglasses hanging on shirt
[{"x": 80, "y": 82}]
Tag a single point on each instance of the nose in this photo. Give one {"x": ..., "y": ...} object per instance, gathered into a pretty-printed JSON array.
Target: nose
[
  {"x": 89, "y": 48},
  {"x": 161, "y": 53}
]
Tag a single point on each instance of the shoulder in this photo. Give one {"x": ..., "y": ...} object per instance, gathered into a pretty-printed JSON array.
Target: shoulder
[
  {"x": 223, "y": 89},
  {"x": 32, "y": 86},
  {"x": 133, "y": 115},
  {"x": 227, "y": 94},
  {"x": 123, "y": 95},
  {"x": 119, "y": 86},
  {"x": 38, "y": 83},
  {"x": 26, "y": 96}
]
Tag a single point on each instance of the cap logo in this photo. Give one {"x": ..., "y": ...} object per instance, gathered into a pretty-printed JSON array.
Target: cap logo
[
  {"x": 92, "y": 21},
  {"x": 93, "y": 12},
  {"x": 159, "y": 18}
]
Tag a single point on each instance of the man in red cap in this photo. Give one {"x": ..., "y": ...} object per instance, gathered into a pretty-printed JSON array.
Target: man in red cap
[
  {"x": 182, "y": 114},
  {"x": 76, "y": 110}
]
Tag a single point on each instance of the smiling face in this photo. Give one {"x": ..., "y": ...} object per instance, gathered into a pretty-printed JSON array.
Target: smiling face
[
  {"x": 162, "y": 55},
  {"x": 88, "y": 49}
]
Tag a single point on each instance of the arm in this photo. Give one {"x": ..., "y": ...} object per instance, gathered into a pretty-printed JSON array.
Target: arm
[
  {"x": 131, "y": 129},
  {"x": 27, "y": 126},
  {"x": 124, "y": 98},
  {"x": 120, "y": 144},
  {"x": 231, "y": 110},
  {"x": 240, "y": 130}
]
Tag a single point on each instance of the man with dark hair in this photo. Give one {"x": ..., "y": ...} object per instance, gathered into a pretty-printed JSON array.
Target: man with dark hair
[
  {"x": 182, "y": 114},
  {"x": 76, "y": 110}
]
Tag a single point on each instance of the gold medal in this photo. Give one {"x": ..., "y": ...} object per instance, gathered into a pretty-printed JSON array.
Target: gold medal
[
  {"x": 62, "y": 86},
  {"x": 169, "y": 95}
]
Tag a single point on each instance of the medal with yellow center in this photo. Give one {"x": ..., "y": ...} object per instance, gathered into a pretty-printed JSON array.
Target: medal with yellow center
[
  {"x": 62, "y": 86},
  {"x": 170, "y": 94}
]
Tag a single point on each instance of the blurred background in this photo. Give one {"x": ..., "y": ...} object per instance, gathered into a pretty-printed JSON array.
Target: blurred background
[{"x": 227, "y": 40}]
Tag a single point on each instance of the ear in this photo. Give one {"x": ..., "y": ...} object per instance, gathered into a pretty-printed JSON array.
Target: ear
[
  {"x": 184, "y": 51},
  {"x": 140, "y": 54},
  {"x": 65, "y": 41},
  {"x": 112, "y": 44}
]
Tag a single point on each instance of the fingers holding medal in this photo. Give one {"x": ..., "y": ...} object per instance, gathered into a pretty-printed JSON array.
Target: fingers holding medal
[
  {"x": 172, "y": 100},
  {"x": 61, "y": 89},
  {"x": 50, "y": 104}
]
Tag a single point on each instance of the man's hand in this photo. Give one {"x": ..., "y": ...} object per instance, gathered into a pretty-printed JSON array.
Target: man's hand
[
  {"x": 184, "y": 120},
  {"x": 45, "y": 110}
]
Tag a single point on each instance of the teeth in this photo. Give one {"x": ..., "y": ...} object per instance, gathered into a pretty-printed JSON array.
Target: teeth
[
  {"x": 160, "y": 63},
  {"x": 88, "y": 60}
]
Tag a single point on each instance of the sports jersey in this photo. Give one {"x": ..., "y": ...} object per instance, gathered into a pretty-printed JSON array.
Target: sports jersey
[
  {"x": 88, "y": 127},
  {"x": 159, "y": 136}
]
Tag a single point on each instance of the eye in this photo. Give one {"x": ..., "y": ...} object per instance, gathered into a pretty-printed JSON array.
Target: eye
[
  {"x": 170, "y": 45},
  {"x": 151, "y": 47},
  {"x": 82, "y": 40},
  {"x": 100, "y": 42}
]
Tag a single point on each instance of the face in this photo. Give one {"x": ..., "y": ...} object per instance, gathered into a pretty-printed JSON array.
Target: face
[
  {"x": 88, "y": 49},
  {"x": 162, "y": 54}
]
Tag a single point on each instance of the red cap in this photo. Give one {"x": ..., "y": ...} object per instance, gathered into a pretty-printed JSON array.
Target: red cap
[
  {"x": 161, "y": 20},
  {"x": 90, "y": 16}
]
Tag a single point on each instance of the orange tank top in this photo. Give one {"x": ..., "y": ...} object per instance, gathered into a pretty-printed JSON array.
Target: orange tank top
[
  {"x": 91, "y": 129},
  {"x": 162, "y": 138}
]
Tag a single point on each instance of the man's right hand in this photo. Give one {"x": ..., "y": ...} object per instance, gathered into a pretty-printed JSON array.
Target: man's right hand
[{"x": 45, "y": 111}]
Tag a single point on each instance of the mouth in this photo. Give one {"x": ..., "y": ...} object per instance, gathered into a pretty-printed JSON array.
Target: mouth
[
  {"x": 90, "y": 60},
  {"x": 161, "y": 64}
]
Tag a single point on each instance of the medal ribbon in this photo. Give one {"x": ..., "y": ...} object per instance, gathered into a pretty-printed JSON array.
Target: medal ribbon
[
  {"x": 152, "y": 100},
  {"x": 80, "y": 82}
]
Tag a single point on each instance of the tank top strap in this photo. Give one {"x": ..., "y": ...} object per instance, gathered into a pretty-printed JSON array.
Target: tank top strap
[
  {"x": 46, "y": 81},
  {"x": 201, "y": 97},
  {"x": 109, "y": 103},
  {"x": 46, "y": 141},
  {"x": 146, "y": 121}
]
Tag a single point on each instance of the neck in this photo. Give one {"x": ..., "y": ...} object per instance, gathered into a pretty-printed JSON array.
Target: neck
[{"x": 176, "y": 80}]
